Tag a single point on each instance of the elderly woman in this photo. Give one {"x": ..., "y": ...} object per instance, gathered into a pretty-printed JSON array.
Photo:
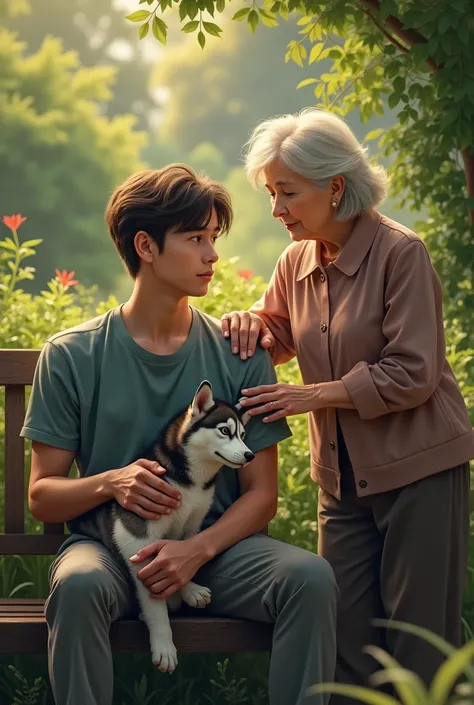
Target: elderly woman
[{"x": 356, "y": 299}]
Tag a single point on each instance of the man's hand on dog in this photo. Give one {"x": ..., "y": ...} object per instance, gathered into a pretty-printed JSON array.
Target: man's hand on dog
[
  {"x": 139, "y": 488},
  {"x": 174, "y": 565}
]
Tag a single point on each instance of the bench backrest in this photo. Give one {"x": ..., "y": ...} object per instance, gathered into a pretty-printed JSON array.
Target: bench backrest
[{"x": 16, "y": 374}]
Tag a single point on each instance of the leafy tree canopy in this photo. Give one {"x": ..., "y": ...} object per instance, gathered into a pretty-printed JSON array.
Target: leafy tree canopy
[{"x": 417, "y": 56}]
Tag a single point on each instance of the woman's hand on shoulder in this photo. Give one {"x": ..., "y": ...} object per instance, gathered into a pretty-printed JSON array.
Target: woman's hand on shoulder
[{"x": 245, "y": 329}]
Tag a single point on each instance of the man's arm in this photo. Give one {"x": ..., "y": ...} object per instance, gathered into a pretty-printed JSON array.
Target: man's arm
[
  {"x": 252, "y": 511},
  {"x": 55, "y": 497}
]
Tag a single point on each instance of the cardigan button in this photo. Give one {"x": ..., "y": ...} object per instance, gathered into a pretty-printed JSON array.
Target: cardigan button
[
  {"x": 363, "y": 484},
  {"x": 332, "y": 445},
  {"x": 323, "y": 327}
]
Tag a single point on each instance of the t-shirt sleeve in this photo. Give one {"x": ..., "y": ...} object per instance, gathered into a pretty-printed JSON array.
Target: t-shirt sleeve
[
  {"x": 53, "y": 413},
  {"x": 259, "y": 435}
]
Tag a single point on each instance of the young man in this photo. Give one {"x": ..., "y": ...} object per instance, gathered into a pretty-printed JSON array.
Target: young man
[{"x": 102, "y": 392}]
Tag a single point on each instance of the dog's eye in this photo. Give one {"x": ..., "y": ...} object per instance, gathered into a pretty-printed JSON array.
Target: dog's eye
[{"x": 225, "y": 430}]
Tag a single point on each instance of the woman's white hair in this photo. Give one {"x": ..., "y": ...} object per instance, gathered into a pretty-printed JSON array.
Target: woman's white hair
[{"x": 319, "y": 146}]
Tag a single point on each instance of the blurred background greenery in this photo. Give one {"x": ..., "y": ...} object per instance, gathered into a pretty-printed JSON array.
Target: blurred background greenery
[
  {"x": 83, "y": 103},
  {"x": 92, "y": 103}
]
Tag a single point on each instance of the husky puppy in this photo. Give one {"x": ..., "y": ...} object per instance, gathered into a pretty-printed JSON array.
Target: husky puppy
[{"x": 193, "y": 447}]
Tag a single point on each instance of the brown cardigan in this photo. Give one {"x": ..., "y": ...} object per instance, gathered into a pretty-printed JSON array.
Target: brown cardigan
[{"x": 374, "y": 319}]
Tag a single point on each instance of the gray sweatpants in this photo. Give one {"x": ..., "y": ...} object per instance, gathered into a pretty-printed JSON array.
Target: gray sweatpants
[{"x": 259, "y": 578}]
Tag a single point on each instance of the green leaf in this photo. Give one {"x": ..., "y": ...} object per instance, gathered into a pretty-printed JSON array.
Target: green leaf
[
  {"x": 159, "y": 29},
  {"x": 201, "y": 39},
  {"x": 268, "y": 18},
  {"x": 138, "y": 16},
  {"x": 143, "y": 30},
  {"x": 434, "y": 639},
  {"x": 19, "y": 587},
  {"x": 393, "y": 69},
  {"x": 444, "y": 23},
  {"x": 410, "y": 688},
  {"x": 393, "y": 100},
  {"x": 220, "y": 5},
  {"x": 366, "y": 695},
  {"x": 193, "y": 9},
  {"x": 241, "y": 14},
  {"x": 269, "y": 23},
  {"x": 399, "y": 84},
  {"x": 464, "y": 33},
  {"x": 298, "y": 53},
  {"x": 307, "y": 82},
  {"x": 32, "y": 243},
  {"x": 449, "y": 672},
  {"x": 8, "y": 244},
  {"x": 374, "y": 134},
  {"x": 190, "y": 27},
  {"x": 252, "y": 20},
  {"x": 209, "y": 5},
  {"x": 183, "y": 10},
  {"x": 212, "y": 29},
  {"x": 315, "y": 52}
]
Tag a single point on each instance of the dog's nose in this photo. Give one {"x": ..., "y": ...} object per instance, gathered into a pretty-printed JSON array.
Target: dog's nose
[{"x": 248, "y": 455}]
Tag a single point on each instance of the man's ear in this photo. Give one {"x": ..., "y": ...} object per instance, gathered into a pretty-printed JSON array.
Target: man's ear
[
  {"x": 203, "y": 400},
  {"x": 145, "y": 246}
]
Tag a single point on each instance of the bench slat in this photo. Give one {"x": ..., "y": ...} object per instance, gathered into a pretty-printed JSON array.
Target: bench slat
[
  {"x": 54, "y": 529},
  {"x": 30, "y": 544},
  {"x": 23, "y": 630},
  {"x": 17, "y": 366},
  {"x": 14, "y": 459}
]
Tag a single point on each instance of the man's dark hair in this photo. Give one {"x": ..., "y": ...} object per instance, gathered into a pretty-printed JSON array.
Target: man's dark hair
[{"x": 157, "y": 200}]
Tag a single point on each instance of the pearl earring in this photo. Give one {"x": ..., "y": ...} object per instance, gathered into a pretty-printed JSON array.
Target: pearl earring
[{"x": 334, "y": 203}]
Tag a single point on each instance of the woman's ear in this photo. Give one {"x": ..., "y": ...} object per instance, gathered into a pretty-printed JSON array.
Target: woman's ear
[{"x": 337, "y": 187}]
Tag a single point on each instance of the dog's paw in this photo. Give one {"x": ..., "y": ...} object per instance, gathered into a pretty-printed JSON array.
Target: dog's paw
[
  {"x": 196, "y": 595},
  {"x": 164, "y": 654},
  {"x": 174, "y": 602}
]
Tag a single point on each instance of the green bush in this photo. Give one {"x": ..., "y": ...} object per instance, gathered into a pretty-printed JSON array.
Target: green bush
[{"x": 26, "y": 321}]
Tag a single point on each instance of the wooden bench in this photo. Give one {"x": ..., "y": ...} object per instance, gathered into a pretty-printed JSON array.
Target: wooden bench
[{"x": 22, "y": 624}]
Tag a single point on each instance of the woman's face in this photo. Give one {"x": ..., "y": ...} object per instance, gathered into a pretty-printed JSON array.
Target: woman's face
[{"x": 303, "y": 208}]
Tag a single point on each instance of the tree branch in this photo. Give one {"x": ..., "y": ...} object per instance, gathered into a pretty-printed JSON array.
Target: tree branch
[
  {"x": 410, "y": 36},
  {"x": 401, "y": 47},
  {"x": 468, "y": 160}
]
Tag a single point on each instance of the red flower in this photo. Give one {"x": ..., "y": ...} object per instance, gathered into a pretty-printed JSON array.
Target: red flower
[
  {"x": 13, "y": 221},
  {"x": 245, "y": 273},
  {"x": 66, "y": 278}
]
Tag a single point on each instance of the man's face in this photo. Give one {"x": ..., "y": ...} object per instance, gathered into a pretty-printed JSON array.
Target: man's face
[{"x": 186, "y": 266}]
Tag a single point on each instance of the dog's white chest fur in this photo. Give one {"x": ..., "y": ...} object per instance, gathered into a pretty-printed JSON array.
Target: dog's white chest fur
[{"x": 181, "y": 523}]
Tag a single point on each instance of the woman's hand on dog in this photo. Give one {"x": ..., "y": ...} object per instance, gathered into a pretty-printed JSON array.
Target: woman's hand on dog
[
  {"x": 139, "y": 488},
  {"x": 174, "y": 565}
]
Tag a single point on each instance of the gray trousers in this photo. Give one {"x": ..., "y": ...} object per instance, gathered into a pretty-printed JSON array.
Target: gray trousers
[
  {"x": 259, "y": 578},
  {"x": 400, "y": 555}
]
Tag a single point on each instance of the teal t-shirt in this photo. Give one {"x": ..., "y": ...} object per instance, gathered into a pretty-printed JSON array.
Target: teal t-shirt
[{"x": 100, "y": 394}]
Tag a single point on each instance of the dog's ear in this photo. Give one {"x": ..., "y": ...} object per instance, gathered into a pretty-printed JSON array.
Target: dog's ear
[{"x": 203, "y": 400}]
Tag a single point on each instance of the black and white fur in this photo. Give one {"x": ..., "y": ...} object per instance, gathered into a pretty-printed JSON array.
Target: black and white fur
[{"x": 192, "y": 448}]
